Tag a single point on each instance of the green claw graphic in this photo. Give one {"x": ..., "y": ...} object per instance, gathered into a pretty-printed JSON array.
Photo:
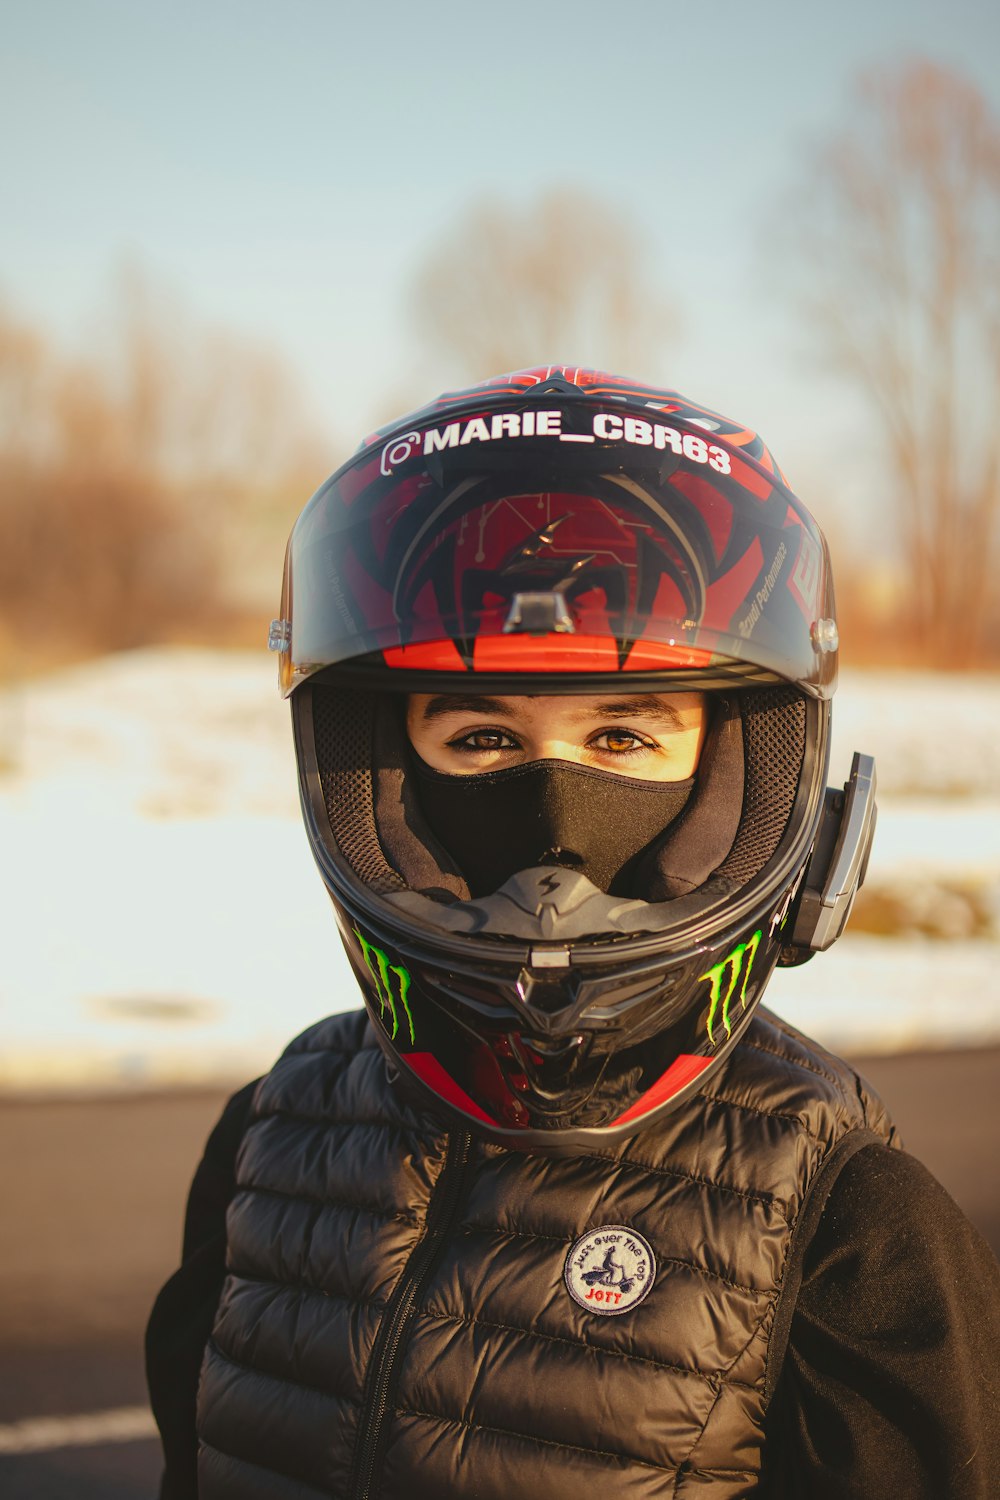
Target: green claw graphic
[
  {"x": 737, "y": 962},
  {"x": 382, "y": 971}
]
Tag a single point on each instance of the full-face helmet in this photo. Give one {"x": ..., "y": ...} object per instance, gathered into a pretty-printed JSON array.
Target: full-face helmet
[{"x": 559, "y": 531}]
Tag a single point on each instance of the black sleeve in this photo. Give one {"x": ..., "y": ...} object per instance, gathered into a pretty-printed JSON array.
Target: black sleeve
[
  {"x": 891, "y": 1380},
  {"x": 183, "y": 1313}
]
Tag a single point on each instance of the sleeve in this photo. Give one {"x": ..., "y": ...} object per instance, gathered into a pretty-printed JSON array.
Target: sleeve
[
  {"x": 184, "y": 1312},
  {"x": 891, "y": 1377}
]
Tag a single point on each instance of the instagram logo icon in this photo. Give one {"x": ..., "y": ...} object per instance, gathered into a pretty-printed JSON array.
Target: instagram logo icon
[{"x": 397, "y": 450}]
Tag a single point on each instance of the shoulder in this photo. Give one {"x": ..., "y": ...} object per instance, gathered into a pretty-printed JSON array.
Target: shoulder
[
  {"x": 785, "y": 1073},
  {"x": 215, "y": 1177},
  {"x": 894, "y": 1343},
  {"x": 347, "y": 1032},
  {"x": 887, "y": 1220}
]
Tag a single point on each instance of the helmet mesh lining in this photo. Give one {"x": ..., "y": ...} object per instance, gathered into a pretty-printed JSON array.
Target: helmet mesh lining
[
  {"x": 774, "y": 737},
  {"x": 344, "y": 729}
]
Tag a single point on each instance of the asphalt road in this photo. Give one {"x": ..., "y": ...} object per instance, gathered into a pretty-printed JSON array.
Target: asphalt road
[{"x": 93, "y": 1194}]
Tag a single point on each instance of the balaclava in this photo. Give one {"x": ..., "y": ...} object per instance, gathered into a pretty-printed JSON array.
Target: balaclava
[{"x": 546, "y": 812}]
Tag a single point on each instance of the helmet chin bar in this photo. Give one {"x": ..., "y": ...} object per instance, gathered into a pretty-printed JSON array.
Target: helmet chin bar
[
  {"x": 837, "y": 865},
  {"x": 629, "y": 1001}
]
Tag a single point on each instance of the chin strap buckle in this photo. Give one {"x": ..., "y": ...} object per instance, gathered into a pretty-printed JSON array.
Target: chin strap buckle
[{"x": 837, "y": 866}]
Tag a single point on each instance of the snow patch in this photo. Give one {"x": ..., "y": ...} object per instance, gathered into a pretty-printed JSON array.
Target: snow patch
[{"x": 166, "y": 925}]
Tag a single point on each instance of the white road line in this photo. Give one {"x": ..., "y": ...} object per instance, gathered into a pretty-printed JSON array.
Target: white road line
[{"x": 39, "y": 1434}]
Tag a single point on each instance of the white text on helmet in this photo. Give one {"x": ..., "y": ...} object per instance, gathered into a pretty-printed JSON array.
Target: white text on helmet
[
  {"x": 655, "y": 435},
  {"x": 606, "y": 426}
]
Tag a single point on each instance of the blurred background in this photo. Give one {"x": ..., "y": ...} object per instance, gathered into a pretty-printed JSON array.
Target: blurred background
[{"x": 235, "y": 239}]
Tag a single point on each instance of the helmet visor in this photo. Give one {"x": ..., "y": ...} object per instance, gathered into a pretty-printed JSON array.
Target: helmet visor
[{"x": 568, "y": 537}]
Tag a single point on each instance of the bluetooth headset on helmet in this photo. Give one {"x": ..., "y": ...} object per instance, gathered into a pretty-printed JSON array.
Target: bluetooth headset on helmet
[{"x": 566, "y": 531}]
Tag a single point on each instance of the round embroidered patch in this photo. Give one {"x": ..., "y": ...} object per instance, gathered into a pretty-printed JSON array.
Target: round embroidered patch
[{"x": 609, "y": 1270}]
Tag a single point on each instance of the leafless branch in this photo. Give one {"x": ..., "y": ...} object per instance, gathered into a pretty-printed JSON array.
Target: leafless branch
[{"x": 900, "y": 250}]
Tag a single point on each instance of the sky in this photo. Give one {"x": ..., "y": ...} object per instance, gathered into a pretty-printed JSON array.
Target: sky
[{"x": 283, "y": 170}]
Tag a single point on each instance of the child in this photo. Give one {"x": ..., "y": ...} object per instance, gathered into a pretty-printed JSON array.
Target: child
[{"x": 564, "y": 1211}]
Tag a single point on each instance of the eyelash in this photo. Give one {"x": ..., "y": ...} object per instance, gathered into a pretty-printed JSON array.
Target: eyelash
[{"x": 464, "y": 747}]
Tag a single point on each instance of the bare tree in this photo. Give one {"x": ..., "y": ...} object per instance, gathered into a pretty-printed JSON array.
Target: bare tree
[
  {"x": 200, "y": 402},
  {"x": 93, "y": 554},
  {"x": 901, "y": 254},
  {"x": 146, "y": 491},
  {"x": 25, "y": 376},
  {"x": 222, "y": 420},
  {"x": 561, "y": 280}
]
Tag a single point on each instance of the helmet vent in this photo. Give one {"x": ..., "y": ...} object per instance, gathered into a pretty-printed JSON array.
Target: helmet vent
[{"x": 774, "y": 731}]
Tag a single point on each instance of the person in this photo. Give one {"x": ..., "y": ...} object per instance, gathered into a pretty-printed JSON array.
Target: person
[{"x": 563, "y": 1210}]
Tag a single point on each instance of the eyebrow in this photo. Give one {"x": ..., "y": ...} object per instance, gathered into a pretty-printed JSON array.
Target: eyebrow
[
  {"x": 462, "y": 703},
  {"x": 644, "y": 706}
]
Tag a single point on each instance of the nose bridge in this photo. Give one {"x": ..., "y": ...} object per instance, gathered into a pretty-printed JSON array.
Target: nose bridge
[
  {"x": 553, "y": 742},
  {"x": 550, "y": 728},
  {"x": 558, "y": 743}
]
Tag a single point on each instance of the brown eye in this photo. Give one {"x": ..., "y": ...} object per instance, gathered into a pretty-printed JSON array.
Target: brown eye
[
  {"x": 484, "y": 740},
  {"x": 620, "y": 742}
]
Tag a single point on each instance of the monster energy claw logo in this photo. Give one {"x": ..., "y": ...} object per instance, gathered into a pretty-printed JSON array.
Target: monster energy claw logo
[
  {"x": 738, "y": 961},
  {"x": 392, "y": 984}
]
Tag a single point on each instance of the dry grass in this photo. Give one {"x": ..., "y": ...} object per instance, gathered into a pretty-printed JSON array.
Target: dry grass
[{"x": 952, "y": 909}]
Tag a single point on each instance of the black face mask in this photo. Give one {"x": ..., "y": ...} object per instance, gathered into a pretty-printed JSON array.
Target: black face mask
[{"x": 546, "y": 812}]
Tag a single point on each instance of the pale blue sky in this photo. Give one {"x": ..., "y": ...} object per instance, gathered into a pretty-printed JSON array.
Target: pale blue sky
[{"x": 282, "y": 168}]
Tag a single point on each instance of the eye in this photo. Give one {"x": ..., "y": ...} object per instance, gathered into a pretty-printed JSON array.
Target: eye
[
  {"x": 620, "y": 742},
  {"x": 479, "y": 741}
]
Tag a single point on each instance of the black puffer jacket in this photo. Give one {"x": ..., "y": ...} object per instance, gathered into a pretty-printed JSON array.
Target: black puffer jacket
[{"x": 397, "y": 1321}]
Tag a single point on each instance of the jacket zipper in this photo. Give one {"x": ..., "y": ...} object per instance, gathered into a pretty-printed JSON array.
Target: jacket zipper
[{"x": 391, "y": 1338}]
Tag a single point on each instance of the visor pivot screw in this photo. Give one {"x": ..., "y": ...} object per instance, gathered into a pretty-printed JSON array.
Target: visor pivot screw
[
  {"x": 279, "y": 635},
  {"x": 825, "y": 635}
]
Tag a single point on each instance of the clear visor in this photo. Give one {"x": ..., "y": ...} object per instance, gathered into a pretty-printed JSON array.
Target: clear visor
[{"x": 581, "y": 537}]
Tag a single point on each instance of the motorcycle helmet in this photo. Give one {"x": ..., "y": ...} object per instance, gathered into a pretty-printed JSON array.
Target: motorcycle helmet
[{"x": 553, "y": 531}]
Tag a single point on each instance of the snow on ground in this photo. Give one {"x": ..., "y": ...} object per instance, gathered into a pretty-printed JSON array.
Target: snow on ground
[
  {"x": 164, "y": 923},
  {"x": 932, "y": 734}
]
